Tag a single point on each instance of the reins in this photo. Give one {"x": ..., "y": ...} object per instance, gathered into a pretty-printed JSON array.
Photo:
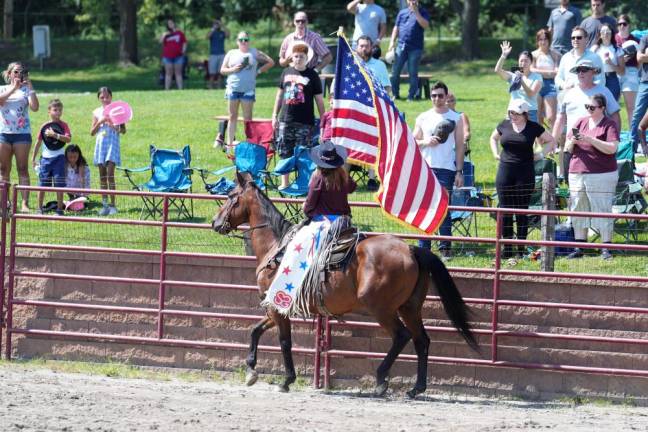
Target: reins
[{"x": 242, "y": 236}]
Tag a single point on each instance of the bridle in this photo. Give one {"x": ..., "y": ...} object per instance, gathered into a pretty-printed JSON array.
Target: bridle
[{"x": 233, "y": 202}]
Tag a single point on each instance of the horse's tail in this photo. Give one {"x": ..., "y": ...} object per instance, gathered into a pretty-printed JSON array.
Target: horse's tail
[{"x": 450, "y": 297}]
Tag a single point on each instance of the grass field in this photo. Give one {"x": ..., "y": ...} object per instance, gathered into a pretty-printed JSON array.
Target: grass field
[{"x": 175, "y": 118}]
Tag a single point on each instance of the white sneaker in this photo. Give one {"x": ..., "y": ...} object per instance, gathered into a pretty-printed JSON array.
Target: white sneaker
[
  {"x": 104, "y": 211},
  {"x": 112, "y": 210}
]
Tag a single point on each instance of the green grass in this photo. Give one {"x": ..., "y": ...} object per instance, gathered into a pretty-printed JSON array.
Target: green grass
[{"x": 171, "y": 119}]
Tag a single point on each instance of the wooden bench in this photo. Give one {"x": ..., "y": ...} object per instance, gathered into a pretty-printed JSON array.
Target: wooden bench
[{"x": 423, "y": 82}]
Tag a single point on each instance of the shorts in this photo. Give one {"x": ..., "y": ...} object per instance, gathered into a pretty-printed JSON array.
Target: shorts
[
  {"x": 548, "y": 88},
  {"x": 291, "y": 135},
  {"x": 215, "y": 63},
  {"x": 533, "y": 115},
  {"x": 173, "y": 60},
  {"x": 52, "y": 170},
  {"x": 11, "y": 139},
  {"x": 245, "y": 96},
  {"x": 630, "y": 80}
]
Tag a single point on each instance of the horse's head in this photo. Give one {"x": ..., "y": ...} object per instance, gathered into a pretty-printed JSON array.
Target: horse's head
[{"x": 236, "y": 210}]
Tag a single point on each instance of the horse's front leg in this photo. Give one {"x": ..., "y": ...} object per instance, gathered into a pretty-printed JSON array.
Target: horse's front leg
[
  {"x": 285, "y": 341},
  {"x": 251, "y": 374}
]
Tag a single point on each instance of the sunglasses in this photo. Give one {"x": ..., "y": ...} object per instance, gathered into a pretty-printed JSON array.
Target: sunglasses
[
  {"x": 577, "y": 37},
  {"x": 512, "y": 113},
  {"x": 437, "y": 95},
  {"x": 582, "y": 70},
  {"x": 244, "y": 40},
  {"x": 622, "y": 24},
  {"x": 591, "y": 108},
  {"x": 300, "y": 21}
]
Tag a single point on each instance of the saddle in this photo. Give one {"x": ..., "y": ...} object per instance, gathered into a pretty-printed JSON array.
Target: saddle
[{"x": 343, "y": 249}]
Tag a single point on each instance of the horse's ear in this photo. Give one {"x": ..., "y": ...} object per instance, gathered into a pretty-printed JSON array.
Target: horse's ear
[{"x": 239, "y": 178}]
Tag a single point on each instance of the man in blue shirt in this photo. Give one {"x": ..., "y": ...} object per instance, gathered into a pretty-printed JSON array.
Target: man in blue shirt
[
  {"x": 593, "y": 23},
  {"x": 408, "y": 31},
  {"x": 216, "y": 37},
  {"x": 561, "y": 22}
]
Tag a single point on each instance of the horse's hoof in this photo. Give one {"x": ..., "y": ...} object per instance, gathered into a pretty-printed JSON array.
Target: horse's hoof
[
  {"x": 381, "y": 389},
  {"x": 283, "y": 388},
  {"x": 415, "y": 391},
  {"x": 251, "y": 377}
]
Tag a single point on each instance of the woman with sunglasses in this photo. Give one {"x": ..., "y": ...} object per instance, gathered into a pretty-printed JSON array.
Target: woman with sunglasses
[
  {"x": 515, "y": 179},
  {"x": 612, "y": 58},
  {"x": 545, "y": 62},
  {"x": 524, "y": 84},
  {"x": 16, "y": 99},
  {"x": 240, "y": 67},
  {"x": 593, "y": 173},
  {"x": 629, "y": 80}
]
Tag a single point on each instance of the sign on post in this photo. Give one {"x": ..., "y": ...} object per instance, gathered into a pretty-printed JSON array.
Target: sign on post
[{"x": 41, "y": 40}]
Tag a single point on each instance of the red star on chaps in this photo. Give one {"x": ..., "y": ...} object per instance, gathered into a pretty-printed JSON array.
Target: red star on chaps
[
  {"x": 286, "y": 270},
  {"x": 298, "y": 248}
]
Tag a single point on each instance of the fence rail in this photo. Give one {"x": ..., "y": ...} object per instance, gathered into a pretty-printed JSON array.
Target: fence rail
[{"x": 323, "y": 339}]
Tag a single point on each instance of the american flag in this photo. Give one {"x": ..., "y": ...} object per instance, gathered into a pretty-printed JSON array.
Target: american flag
[{"x": 368, "y": 124}]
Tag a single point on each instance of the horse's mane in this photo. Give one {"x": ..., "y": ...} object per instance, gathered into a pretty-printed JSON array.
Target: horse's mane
[{"x": 276, "y": 220}]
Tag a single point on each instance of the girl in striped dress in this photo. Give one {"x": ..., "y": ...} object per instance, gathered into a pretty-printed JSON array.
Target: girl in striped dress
[{"x": 107, "y": 153}]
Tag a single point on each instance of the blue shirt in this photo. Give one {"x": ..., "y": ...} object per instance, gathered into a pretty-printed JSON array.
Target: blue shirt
[
  {"x": 368, "y": 18},
  {"x": 643, "y": 71},
  {"x": 410, "y": 32},
  {"x": 217, "y": 43},
  {"x": 561, "y": 23}
]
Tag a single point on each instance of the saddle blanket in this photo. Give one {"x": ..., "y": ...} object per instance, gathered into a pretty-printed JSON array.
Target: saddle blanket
[{"x": 300, "y": 254}]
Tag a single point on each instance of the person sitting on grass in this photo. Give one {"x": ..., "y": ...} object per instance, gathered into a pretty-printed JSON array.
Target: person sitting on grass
[
  {"x": 54, "y": 133},
  {"x": 77, "y": 171}
]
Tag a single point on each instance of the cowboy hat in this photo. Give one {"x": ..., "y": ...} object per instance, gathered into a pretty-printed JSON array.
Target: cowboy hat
[
  {"x": 309, "y": 55},
  {"x": 76, "y": 204},
  {"x": 50, "y": 142},
  {"x": 328, "y": 155}
]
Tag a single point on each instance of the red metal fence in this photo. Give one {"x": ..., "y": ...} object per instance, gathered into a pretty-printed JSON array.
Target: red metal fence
[{"x": 322, "y": 341}]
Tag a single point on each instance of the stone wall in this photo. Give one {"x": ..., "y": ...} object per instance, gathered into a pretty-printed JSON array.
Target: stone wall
[{"x": 461, "y": 378}]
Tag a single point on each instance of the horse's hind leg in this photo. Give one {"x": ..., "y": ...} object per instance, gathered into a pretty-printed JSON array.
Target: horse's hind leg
[
  {"x": 285, "y": 341},
  {"x": 410, "y": 312},
  {"x": 400, "y": 336},
  {"x": 251, "y": 375}
]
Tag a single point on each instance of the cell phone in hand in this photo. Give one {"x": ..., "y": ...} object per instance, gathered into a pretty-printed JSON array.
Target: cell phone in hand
[
  {"x": 576, "y": 133},
  {"x": 246, "y": 61}
]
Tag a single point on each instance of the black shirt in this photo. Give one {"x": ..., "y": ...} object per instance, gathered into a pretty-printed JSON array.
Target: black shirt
[
  {"x": 518, "y": 146},
  {"x": 300, "y": 88}
]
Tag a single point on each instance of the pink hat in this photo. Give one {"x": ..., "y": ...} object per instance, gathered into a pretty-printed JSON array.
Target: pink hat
[{"x": 76, "y": 204}]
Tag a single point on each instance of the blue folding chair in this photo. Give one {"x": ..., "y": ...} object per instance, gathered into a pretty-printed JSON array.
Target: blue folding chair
[
  {"x": 248, "y": 157},
  {"x": 301, "y": 164},
  {"x": 170, "y": 172}
]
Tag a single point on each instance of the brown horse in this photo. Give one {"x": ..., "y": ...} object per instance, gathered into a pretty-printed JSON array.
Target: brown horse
[{"x": 386, "y": 277}]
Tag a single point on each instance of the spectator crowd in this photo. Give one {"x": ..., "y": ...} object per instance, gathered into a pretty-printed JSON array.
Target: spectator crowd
[{"x": 563, "y": 98}]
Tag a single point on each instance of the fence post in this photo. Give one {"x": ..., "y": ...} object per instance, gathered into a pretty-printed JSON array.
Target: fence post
[
  {"x": 327, "y": 357},
  {"x": 12, "y": 278},
  {"x": 163, "y": 249},
  {"x": 318, "y": 352},
  {"x": 548, "y": 222},
  {"x": 496, "y": 284},
  {"x": 3, "y": 244}
]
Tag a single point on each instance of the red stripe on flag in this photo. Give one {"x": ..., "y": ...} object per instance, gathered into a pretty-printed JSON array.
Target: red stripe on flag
[
  {"x": 354, "y": 134},
  {"x": 347, "y": 113}
]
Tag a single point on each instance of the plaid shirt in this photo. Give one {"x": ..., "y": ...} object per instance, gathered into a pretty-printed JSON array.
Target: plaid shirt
[{"x": 314, "y": 40}]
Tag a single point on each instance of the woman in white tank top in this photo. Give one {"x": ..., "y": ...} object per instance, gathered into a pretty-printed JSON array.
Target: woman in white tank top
[{"x": 545, "y": 62}]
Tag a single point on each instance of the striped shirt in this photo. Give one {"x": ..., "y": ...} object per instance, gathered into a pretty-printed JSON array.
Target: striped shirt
[{"x": 314, "y": 40}]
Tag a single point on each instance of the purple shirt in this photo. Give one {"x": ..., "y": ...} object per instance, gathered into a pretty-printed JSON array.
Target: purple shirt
[{"x": 588, "y": 159}]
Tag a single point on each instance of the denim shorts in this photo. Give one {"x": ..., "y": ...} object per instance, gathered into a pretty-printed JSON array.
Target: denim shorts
[
  {"x": 173, "y": 60},
  {"x": 548, "y": 88},
  {"x": 52, "y": 171},
  {"x": 629, "y": 80},
  {"x": 291, "y": 135},
  {"x": 245, "y": 96},
  {"x": 9, "y": 138}
]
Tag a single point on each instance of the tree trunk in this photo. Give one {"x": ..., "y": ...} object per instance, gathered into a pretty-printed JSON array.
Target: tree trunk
[
  {"x": 128, "y": 31},
  {"x": 7, "y": 19},
  {"x": 470, "y": 29}
]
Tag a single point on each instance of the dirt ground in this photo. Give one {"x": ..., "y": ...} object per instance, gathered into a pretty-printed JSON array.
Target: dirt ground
[{"x": 43, "y": 400}]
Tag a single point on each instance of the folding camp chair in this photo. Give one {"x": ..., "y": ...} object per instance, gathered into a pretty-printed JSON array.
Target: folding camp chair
[
  {"x": 464, "y": 222},
  {"x": 170, "y": 172},
  {"x": 628, "y": 199},
  {"x": 301, "y": 164},
  {"x": 248, "y": 157},
  {"x": 260, "y": 132}
]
